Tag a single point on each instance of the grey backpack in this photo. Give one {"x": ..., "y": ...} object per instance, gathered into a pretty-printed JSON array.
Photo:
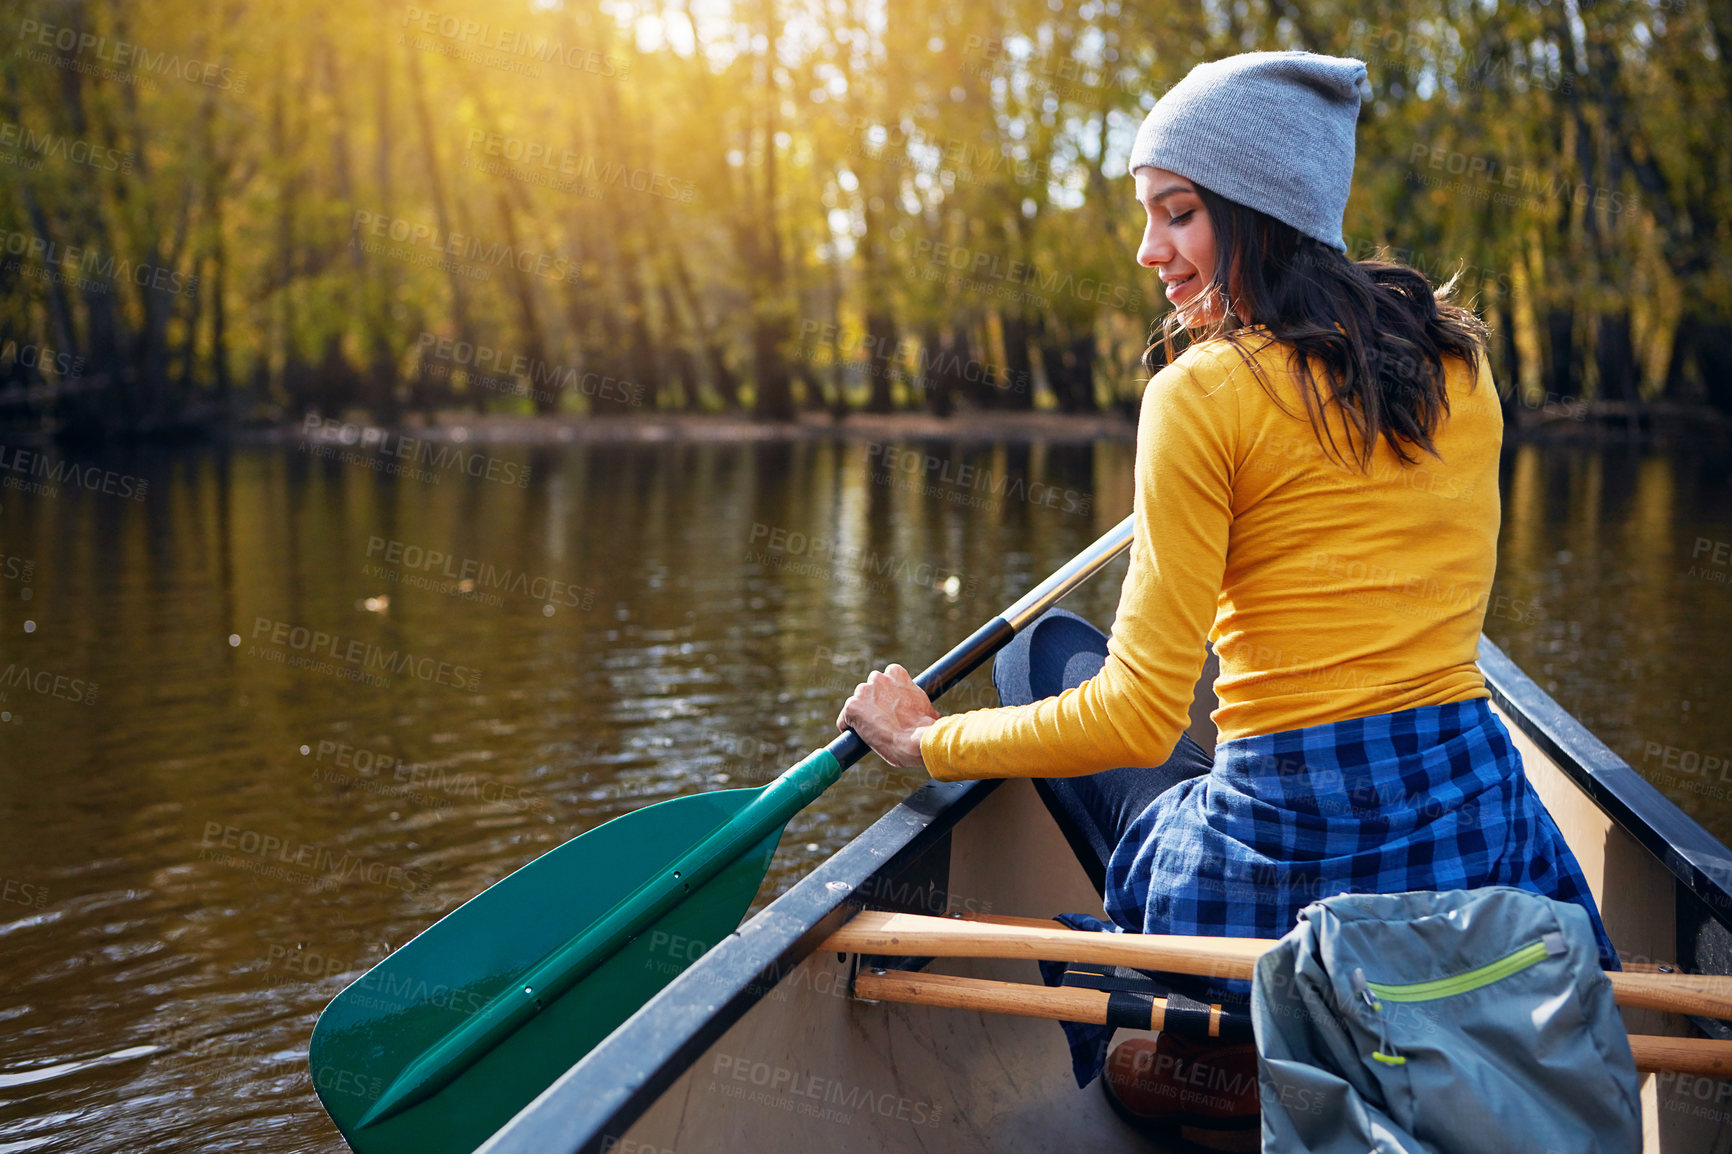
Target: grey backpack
[{"x": 1473, "y": 1021}]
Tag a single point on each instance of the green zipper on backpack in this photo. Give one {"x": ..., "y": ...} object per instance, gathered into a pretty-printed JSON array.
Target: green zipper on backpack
[{"x": 1464, "y": 983}]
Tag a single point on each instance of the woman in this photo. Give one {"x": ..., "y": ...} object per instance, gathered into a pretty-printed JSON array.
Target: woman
[{"x": 1317, "y": 495}]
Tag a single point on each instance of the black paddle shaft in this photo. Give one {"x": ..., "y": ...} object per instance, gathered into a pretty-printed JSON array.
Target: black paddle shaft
[{"x": 938, "y": 677}]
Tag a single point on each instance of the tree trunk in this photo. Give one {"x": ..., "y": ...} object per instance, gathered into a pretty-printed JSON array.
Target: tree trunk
[
  {"x": 1702, "y": 343},
  {"x": 335, "y": 385},
  {"x": 770, "y": 327},
  {"x": 1560, "y": 364},
  {"x": 1018, "y": 392},
  {"x": 775, "y": 397},
  {"x": 983, "y": 383},
  {"x": 213, "y": 284},
  {"x": 1615, "y": 356},
  {"x": 186, "y": 359},
  {"x": 442, "y": 216},
  {"x": 814, "y": 393},
  {"x": 816, "y": 398},
  {"x": 1506, "y": 362},
  {"x": 1082, "y": 351},
  {"x": 1070, "y": 371},
  {"x": 683, "y": 365},
  {"x": 936, "y": 379},
  {"x": 838, "y": 368},
  {"x": 374, "y": 389},
  {"x": 543, "y": 384},
  {"x": 295, "y": 379},
  {"x": 722, "y": 378},
  {"x": 726, "y": 383},
  {"x": 641, "y": 368},
  {"x": 1058, "y": 373},
  {"x": 882, "y": 364}
]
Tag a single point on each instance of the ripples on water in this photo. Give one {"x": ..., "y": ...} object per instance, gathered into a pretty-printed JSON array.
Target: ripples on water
[{"x": 161, "y": 985}]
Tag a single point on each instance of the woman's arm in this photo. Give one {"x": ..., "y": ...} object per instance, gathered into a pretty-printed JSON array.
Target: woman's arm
[{"x": 1132, "y": 712}]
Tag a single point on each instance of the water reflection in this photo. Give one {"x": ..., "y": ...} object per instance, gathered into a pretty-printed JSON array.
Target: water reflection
[
  {"x": 230, "y": 818},
  {"x": 1624, "y": 615}
]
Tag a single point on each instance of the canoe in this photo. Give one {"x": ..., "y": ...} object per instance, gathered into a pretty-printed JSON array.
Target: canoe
[{"x": 759, "y": 1046}]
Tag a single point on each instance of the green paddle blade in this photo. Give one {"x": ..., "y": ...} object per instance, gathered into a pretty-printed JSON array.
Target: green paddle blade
[{"x": 374, "y": 1030}]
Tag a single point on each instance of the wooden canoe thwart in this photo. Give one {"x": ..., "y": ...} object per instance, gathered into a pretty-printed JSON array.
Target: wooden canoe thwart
[
  {"x": 766, "y": 1042},
  {"x": 1703, "y": 1057},
  {"x": 915, "y": 935}
]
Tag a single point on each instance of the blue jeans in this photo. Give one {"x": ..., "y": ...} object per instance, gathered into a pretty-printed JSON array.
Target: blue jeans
[{"x": 1059, "y": 651}]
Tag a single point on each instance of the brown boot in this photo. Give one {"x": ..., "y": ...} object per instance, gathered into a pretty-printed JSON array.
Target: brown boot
[{"x": 1203, "y": 1094}]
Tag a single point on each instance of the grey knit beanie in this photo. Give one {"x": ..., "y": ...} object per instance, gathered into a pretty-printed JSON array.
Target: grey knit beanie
[{"x": 1270, "y": 130}]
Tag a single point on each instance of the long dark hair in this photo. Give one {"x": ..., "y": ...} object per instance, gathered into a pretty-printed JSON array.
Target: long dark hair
[{"x": 1378, "y": 329}]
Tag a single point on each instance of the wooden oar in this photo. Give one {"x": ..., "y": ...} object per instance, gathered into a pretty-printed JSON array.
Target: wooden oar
[
  {"x": 443, "y": 1041},
  {"x": 1707, "y": 1057},
  {"x": 917, "y": 935}
]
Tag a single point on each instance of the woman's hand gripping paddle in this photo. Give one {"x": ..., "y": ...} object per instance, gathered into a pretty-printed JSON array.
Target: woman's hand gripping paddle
[{"x": 437, "y": 1046}]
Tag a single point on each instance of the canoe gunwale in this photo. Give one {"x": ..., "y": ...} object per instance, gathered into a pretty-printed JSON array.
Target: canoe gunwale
[{"x": 602, "y": 1095}]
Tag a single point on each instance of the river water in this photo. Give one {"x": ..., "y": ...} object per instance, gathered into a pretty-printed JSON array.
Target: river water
[{"x": 227, "y": 797}]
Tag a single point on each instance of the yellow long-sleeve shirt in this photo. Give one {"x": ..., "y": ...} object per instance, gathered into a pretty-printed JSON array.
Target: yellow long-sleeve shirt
[{"x": 1329, "y": 592}]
